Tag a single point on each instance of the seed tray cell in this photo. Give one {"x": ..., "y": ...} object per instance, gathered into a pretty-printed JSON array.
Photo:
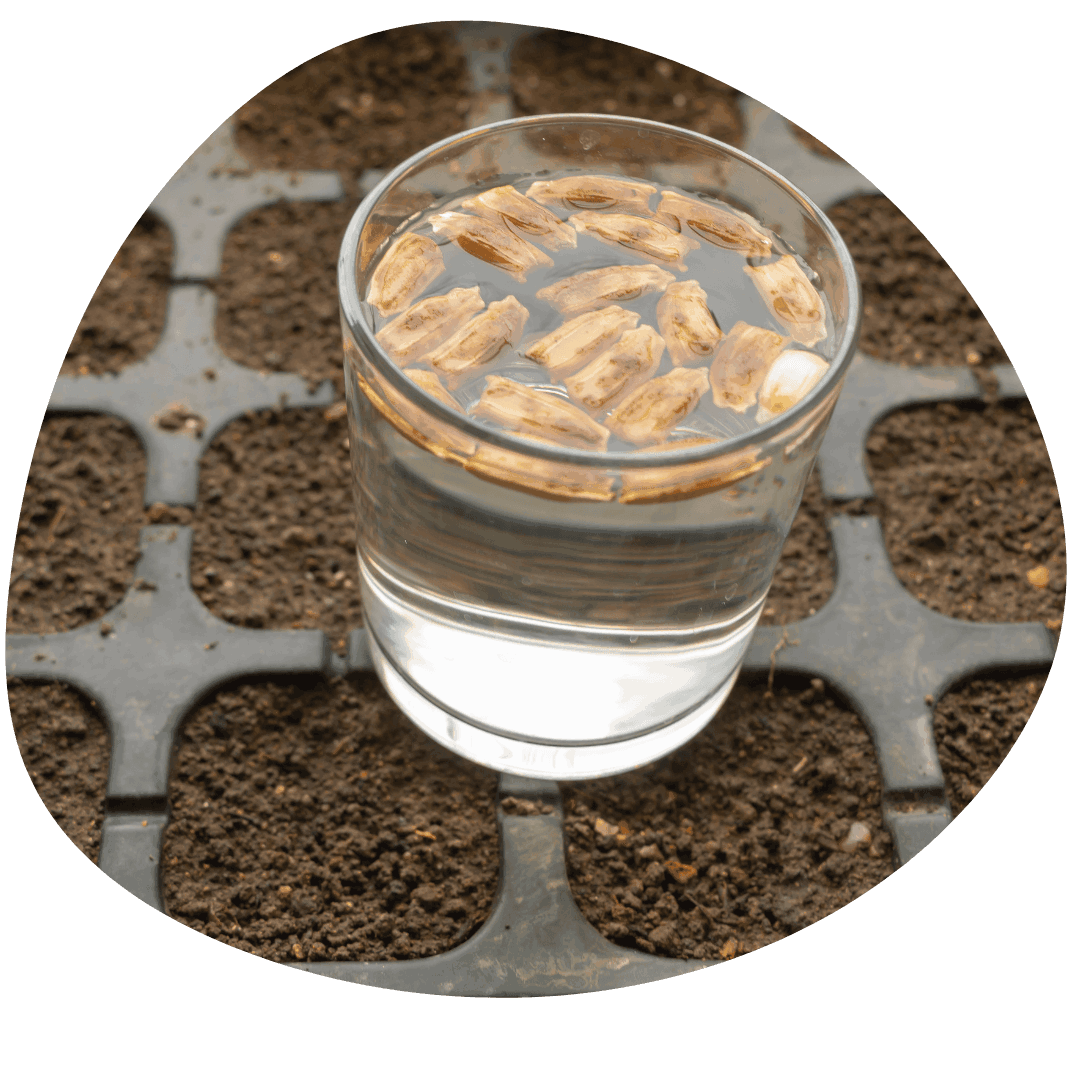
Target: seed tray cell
[
  {"x": 85, "y": 488},
  {"x": 154, "y": 656},
  {"x": 292, "y": 469},
  {"x": 309, "y": 820},
  {"x": 136, "y": 284}
]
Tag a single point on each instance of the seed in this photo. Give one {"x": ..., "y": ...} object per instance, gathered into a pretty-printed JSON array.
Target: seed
[
  {"x": 428, "y": 323},
  {"x": 716, "y": 224},
  {"x": 792, "y": 376},
  {"x": 648, "y": 235},
  {"x": 410, "y": 265},
  {"x": 506, "y": 204},
  {"x": 538, "y": 414},
  {"x": 605, "y": 381},
  {"x": 689, "y": 329},
  {"x": 580, "y": 340},
  {"x": 597, "y": 288},
  {"x": 741, "y": 364},
  {"x": 480, "y": 340},
  {"x": 651, "y": 411},
  {"x": 492, "y": 242},
  {"x": 593, "y": 193},
  {"x": 791, "y": 298}
]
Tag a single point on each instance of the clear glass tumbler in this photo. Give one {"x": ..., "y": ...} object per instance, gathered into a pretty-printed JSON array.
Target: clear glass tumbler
[{"x": 562, "y": 613}]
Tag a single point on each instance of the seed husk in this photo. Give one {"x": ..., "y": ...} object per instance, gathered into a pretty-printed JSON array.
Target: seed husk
[
  {"x": 593, "y": 193},
  {"x": 616, "y": 373},
  {"x": 507, "y": 205},
  {"x": 689, "y": 329},
  {"x": 718, "y": 225},
  {"x": 579, "y": 340},
  {"x": 741, "y": 363},
  {"x": 410, "y": 265},
  {"x": 491, "y": 242},
  {"x": 788, "y": 294},
  {"x": 608, "y": 285},
  {"x": 538, "y": 414},
  {"x": 428, "y": 323},
  {"x": 648, "y": 236}
]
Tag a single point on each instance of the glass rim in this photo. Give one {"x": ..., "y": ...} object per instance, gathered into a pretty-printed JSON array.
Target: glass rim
[{"x": 349, "y": 300}]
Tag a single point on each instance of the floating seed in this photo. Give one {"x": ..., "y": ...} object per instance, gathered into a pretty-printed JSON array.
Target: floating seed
[
  {"x": 647, "y": 235},
  {"x": 409, "y": 266},
  {"x": 605, "y": 381},
  {"x": 684, "y": 318},
  {"x": 653, "y": 409},
  {"x": 741, "y": 364},
  {"x": 580, "y": 340},
  {"x": 593, "y": 193},
  {"x": 480, "y": 340},
  {"x": 428, "y": 323},
  {"x": 538, "y": 414},
  {"x": 491, "y": 242},
  {"x": 611, "y": 284},
  {"x": 719, "y": 225},
  {"x": 788, "y": 293},
  {"x": 507, "y": 205},
  {"x": 792, "y": 376}
]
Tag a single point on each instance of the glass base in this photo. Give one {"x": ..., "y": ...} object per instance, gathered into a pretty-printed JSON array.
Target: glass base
[{"x": 538, "y": 760}]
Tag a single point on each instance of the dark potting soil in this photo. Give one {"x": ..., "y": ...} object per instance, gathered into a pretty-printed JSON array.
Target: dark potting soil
[
  {"x": 556, "y": 71},
  {"x": 78, "y": 536},
  {"x": 274, "y": 542},
  {"x": 976, "y": 725},
  {"x": 970, "y": 511},
  {"x": 127, "y": 311},
  {"x": 277, "y": 293},
  {"x": 65, "y": 748},
  {"x": 735, "y": 840},
  {"x": 367, "y": 104},
  {"x": 313, "y": 821},
  {"x": 915, "y": 309}
]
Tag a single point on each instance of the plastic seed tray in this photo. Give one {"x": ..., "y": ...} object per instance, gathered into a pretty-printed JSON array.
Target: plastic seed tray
[{"x": 149, "y": 659}]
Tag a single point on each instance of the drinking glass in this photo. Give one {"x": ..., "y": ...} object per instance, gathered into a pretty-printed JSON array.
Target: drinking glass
[{"x": 553, "y": 612}]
